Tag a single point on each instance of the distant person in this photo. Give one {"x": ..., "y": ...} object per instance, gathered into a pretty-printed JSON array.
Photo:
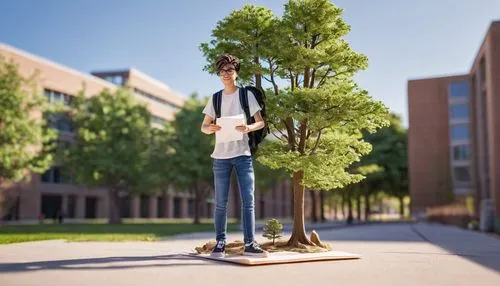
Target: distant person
[{"x": 233, "y": 154}]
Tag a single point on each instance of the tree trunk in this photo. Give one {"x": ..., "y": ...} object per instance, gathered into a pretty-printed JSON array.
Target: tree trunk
[
  {"x": 367, "y": 206},
  {"x": 114, "y": 216},
  {"x": 335, "y": 210},
  {"x": 262, "y": 205},
  {"x": 314, "y": 208},
  {"x": 299, "y": 236},
  {"x": 401, "y": 207},
  {"x": 258, "y": 76},
  {"x": 322, "y": 205},
  {"x": 349, "y": 206},
  {"x": 292, "y": 200},
  {"x": 358, "y": 206},
  {"x": 342, "y": 203}
]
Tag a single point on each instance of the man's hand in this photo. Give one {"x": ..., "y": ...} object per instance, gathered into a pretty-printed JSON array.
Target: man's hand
[
  {"x": 243, "y": 128},
  {"x": 213, "y": 127}
]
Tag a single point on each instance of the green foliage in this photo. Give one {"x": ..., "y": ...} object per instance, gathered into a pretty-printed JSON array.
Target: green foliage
[
  {"x": 180, "y": 154},
  {"x": 247, "y": 34},
  {"x": 273, "y": 229},
  {"x": 390, "y": 154},
  {"x": 187, "y": 156},
  {"x": 111, "y": 141},
  {"x": 314, "y": 107},
  {"x": 265, "y": 177},
  {"x": 26, "y": 142}
]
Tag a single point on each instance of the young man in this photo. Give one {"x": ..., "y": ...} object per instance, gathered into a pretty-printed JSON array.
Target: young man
[{"x": 234, "y": 154}]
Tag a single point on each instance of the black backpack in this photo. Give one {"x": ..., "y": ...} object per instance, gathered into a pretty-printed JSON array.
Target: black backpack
[{"x": 254, "y": 137}]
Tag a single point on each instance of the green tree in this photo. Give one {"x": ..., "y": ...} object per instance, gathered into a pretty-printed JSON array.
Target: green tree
[
  {"x": 273, "y": 229},
  {"x": 111, "y": 144},
  {"x": 390, "y": 152},
  {"x": 187, "y": 162},
  {"x": 26, "y": 141},
  {"x": 249, "y": 34},
  {"x": 319, "y": 112}
]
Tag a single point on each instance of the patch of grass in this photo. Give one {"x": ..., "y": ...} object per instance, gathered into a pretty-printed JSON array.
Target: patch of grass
[{"x": 152, "y": 231}]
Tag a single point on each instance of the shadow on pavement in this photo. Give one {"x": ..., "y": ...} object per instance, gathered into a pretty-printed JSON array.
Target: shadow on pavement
[
  {"x": 106, "y": 263},
  {"x": 474, "y": 246}
]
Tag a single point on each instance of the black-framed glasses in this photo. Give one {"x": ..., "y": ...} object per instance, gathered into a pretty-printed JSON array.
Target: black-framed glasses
[{"x": 226, "y": 71}]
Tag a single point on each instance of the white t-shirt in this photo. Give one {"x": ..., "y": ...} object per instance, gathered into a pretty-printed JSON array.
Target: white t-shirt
[{"x": 230, "y": 106}]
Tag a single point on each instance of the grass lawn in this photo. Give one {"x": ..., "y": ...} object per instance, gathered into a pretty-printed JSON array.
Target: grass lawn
[{"x": 128, "y": 231}]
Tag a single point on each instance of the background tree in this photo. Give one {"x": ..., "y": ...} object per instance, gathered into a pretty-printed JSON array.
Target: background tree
[
  {"x": 188, "y": 162},
  {"x": 111, "y": 145},
  {"x": 319, "y": 112},
  {"x": 27, "y": 143},
  {"x": 390, "y": 151}
]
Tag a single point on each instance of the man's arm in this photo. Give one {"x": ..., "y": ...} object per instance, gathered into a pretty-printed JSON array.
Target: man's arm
[
  {"x": 208, "y": 127},
  {"x": 259, "y": 124}
]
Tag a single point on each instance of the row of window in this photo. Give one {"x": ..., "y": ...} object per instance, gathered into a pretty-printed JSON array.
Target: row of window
[
  {"x": 458, "y": 93},
  {"x": 55, "y": 175},
  {"x": 57, "y": 97},
  {"x": 158, "y": 120},
  {"x": 146, "y": 95},
  {"x": 115, "y": 79}
]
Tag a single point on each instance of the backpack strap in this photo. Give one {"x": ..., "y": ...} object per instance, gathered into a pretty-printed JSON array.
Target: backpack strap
[
  {"x": 244, "y": 103},
  {"x": 217, "y": 101}
]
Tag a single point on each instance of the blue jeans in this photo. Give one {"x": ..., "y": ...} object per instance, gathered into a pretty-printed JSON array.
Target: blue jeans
[{"x": 245, "y": 174}]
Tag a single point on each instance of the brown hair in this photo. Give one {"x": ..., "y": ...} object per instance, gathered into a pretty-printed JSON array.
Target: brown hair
[{"x": 225, "y": 60}]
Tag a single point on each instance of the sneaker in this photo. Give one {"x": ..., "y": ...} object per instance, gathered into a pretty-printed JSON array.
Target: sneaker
[
  {"x": 253, "y": 249},
  {"x": 219, "y": 249}
]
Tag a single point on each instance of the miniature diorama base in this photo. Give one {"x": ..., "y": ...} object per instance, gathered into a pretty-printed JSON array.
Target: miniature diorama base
[{"x": 280, "y": 257}]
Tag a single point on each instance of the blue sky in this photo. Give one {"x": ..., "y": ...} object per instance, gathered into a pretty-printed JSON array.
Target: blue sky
[{"x": 402, "y": 39}]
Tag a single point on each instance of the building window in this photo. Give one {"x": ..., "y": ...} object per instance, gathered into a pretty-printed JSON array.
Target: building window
[
  {"x": 462, "y": 173},
  {"x": 459, "y": 111},
  {"x": 115, "y": 79},
  {"x": 460, "y": 132},
  {"x": 459, "y": 89},
  {"x": 148, "y": 96},
  {"x": 158, "y": 120},
  {"x": 60, "y": 121},
  {"x": 482, "y": 71},
  {"x": 56, "y": 175},
  {"x": 71, "y": 208},
  {"x": 144, "y": 204},
  {"x": 461, "y": 152},
  {"x": 58, "y": 97}
]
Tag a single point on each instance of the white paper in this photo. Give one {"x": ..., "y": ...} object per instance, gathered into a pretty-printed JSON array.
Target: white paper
[{"x": 228, "y": 131}]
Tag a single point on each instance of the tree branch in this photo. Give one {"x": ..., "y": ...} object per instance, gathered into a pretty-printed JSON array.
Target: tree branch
[
  {"x": 271, "y": 71},
  {"x": 317, "y": 142},
  {"x": 324, "y": 78},
  {"x": 279, "y": 130},
  {"x": 333, "y": 76}
]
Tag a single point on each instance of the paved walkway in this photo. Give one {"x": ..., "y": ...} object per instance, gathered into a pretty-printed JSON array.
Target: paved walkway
[{"x": 394, "y": 254}]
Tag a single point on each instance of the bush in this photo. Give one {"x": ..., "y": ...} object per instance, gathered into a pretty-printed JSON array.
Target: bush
[{"x": 454, "y": 214}]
